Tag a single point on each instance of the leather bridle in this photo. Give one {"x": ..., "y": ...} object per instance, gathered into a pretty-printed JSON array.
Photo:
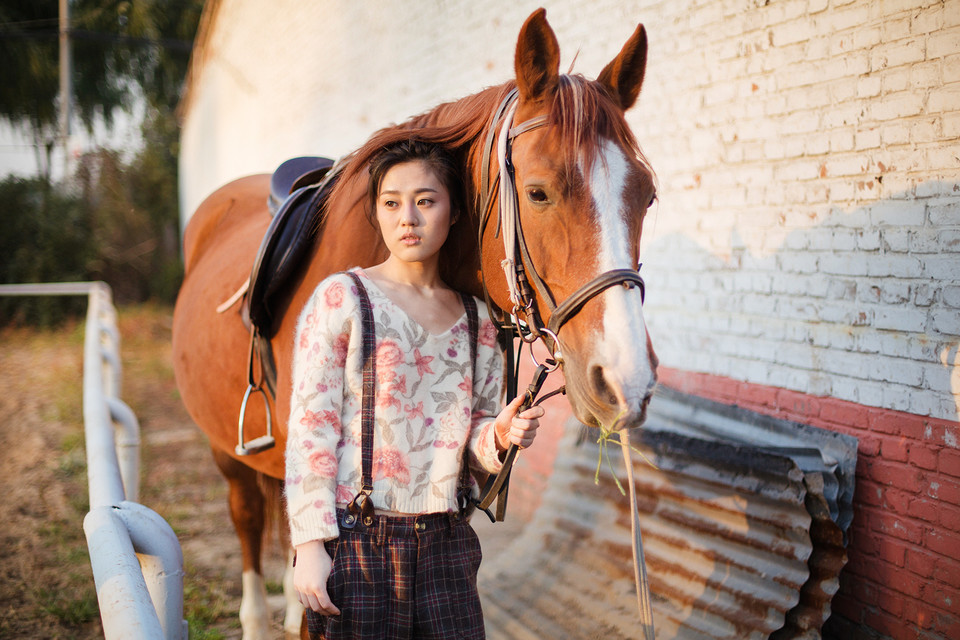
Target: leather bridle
[{"x": 520, "y": 271}]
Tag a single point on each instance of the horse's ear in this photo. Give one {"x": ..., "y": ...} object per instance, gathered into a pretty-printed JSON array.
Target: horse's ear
[
  {"x": 538, "y": 58},
  {"x": 624, "y": 75}
]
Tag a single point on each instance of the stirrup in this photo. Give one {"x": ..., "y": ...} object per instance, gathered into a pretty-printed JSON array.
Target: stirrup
[
  {"x": 257, "y": 445},
  {"x": 262, "y": 443}
]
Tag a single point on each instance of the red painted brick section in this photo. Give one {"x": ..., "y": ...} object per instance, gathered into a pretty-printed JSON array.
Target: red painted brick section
[
  {"x": 843, "y": 413},
  {"x": 946, "y": 543},
  {"x": 947, "y": 489},
  {"x": 950, "y": 462},
  {"x": 947, "y": 571},
  {"x": 915, "y": 612},
  {"x": 941, "y": 596},
  {"x": 890, "y": 601},
  {"x": 921, "y": 562},
  {"x": 894, "y": 448},
  {"x": 754, "y": 397},
  {"x": 924, "y": 456},
  {"x": 946, "y": 625},
  {"x": 923, "y": 509},
  {"x": 893, "y": 551},
  {"x": 896, "y": 501},
  {"x": 882, "y": 622},
  {"x": 793, "y": 403},
  {"x": 895, "y": 475},
  {"x": 949, "y": 518},
  {"x": 870, "y": 493},
  {"x": 869, "y": 446}
]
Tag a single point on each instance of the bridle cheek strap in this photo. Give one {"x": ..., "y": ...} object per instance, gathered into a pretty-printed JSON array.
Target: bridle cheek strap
[
  {"x": 509, "y": 209},
  {"x": 514, "y": 246},
  {"x": 509, "y": 219}
]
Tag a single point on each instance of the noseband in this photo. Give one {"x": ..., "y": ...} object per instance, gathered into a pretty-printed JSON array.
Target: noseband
[{"x": 518, "y": 266}]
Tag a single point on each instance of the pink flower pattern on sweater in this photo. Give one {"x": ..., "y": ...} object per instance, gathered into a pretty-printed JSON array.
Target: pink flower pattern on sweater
[{"x": 432, "y": 409}]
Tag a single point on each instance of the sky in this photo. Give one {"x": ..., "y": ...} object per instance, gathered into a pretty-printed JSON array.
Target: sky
[{"x": 18, "y": 155}]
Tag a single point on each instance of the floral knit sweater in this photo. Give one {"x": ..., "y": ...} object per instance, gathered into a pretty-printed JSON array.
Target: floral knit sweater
[{"x": 431, "y": 409}]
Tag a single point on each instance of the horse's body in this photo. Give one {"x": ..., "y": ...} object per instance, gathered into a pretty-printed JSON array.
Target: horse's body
[{"x": 583, "y": 190}]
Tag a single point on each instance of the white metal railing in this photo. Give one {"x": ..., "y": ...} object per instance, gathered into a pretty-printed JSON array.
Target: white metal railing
[{"x": 135, "y": 555}]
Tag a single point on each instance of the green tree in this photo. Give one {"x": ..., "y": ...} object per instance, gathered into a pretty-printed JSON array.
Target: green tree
[
  {"x": 116, "y": 219},
  {"x": 121, "y": 49},
  {"x": 46, "y": 238},
  {"x": 133, "y": 213}
]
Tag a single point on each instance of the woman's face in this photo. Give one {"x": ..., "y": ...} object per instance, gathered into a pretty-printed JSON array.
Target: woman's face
[{"x": 413, "y": 210}]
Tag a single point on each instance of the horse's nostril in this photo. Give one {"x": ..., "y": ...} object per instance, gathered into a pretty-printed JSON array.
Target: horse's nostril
[{"x": 600, "y": 386}]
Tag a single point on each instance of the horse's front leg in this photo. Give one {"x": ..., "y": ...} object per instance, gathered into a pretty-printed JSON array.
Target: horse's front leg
[{"x": 247, "y": 512}]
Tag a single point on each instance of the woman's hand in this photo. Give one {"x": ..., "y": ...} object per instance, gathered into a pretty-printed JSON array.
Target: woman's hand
[
  {"x": 310, "y": 575},
  {"x": 519, "y": 429}
]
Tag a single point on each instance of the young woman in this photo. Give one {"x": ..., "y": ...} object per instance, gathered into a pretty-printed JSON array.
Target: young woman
[{"x": 383, "y": 549}]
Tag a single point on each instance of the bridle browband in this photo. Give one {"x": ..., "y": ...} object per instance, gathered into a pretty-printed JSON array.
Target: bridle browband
[{"x": 520, "y": 271}]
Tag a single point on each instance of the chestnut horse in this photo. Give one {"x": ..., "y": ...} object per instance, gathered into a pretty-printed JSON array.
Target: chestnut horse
[{"x": 582, "y": 189}]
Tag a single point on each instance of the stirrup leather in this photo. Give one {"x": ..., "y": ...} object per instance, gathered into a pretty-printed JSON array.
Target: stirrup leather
[{"x": 254, "y": 386}]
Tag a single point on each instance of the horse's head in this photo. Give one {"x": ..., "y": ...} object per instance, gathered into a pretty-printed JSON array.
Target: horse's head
[{"x": 583, "y": 189}]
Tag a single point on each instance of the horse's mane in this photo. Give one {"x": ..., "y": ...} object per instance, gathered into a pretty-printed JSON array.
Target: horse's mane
[
  {"x": 454, "y": 125},
  {"x": 582, "y": 111}
]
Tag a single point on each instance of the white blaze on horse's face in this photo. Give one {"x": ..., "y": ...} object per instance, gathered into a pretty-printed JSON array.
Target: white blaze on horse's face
[{"x": 622, "y": 364}]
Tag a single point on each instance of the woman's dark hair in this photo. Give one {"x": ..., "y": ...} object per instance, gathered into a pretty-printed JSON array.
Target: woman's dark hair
[{"x": 437, "y": 159}]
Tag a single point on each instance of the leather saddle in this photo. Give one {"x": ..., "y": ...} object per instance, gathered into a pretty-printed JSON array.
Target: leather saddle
[
  {"x": 294, "y": 174},
  {"x": 298, "y": 193},
  {"x": 298, "y": 190}
]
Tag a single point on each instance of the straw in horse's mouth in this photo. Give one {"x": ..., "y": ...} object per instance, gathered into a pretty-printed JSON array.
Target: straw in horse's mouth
[{"x": 605, "y": 439}]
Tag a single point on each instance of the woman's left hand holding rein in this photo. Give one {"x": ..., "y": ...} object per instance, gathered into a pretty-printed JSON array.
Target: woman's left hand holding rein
[{"x": 515, "y": 427}]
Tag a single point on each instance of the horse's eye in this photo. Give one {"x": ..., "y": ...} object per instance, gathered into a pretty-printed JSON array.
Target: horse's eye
[
  {"x": 537, "y": 195},
  {"x": 653, "y": 199}
]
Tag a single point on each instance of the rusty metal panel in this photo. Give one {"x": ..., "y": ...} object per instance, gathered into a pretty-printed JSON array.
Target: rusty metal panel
[{"x": 741, "y": 523}]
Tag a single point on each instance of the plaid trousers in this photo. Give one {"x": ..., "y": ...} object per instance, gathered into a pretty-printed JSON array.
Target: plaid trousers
[{"x": 403, "y": 578}]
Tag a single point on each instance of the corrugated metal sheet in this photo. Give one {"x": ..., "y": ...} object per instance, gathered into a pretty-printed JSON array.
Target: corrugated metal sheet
[{"x": 743, "y": 520}]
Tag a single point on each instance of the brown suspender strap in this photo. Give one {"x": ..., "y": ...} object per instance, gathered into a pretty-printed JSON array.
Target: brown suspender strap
[
  {"x": 473, "y": 327},
  {"x": 362, "y": 505}
]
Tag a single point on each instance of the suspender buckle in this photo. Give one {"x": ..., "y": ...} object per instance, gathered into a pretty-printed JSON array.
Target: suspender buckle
[{"x": 360, "y": 508}]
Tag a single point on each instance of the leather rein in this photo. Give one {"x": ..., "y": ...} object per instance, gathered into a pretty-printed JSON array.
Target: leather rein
[{"x": 520, "y": 271}]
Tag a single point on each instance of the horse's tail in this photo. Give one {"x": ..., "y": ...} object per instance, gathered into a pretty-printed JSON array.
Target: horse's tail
[{"x": 274, "y": 510}]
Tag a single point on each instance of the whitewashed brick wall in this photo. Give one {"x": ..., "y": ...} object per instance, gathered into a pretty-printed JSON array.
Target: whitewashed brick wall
[
  {"x": 295, "y": 77},
  {"x": 808, "y": 235},
  {"x": 808, "y": 230}
]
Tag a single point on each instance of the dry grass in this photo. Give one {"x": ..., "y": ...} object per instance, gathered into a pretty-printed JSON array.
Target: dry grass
[{"x": 46, "y": 585}]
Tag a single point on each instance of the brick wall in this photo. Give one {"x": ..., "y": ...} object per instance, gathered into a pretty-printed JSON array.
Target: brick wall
[
  {"x": 811, "y": 182},
  {"x": 803, "y": 260}
]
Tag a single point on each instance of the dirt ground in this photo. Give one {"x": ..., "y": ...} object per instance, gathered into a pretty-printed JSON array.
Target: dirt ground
[{"x": 46, "y": 584}]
